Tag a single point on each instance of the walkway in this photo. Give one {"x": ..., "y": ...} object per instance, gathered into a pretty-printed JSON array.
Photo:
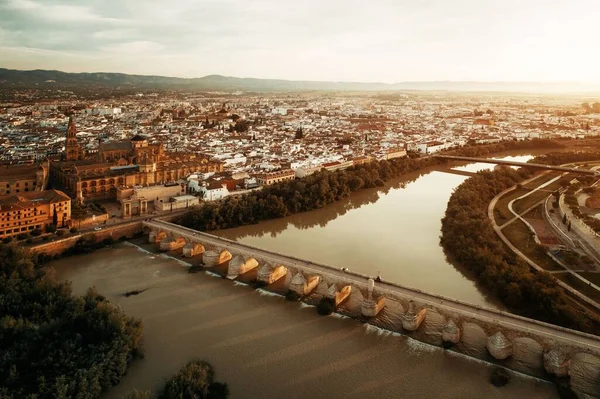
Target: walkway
[{"x": 531, "y": 263}]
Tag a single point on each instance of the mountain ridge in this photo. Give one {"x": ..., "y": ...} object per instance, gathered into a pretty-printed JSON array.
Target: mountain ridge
[{"x": 16, "y": 78}]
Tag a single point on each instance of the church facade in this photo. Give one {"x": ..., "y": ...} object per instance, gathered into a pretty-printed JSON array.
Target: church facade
[{"x": 125, "y": 163}]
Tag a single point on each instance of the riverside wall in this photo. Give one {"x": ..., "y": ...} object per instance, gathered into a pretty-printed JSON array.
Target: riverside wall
[{"x": 58, "y": 246}]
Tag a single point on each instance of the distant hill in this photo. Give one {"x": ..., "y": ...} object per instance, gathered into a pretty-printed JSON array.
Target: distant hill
[{"x": 45, "y": 78}]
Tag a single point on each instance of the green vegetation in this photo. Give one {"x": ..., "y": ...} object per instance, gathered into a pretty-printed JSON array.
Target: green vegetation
[
  {"x": 560, "y": 158},
  {"x": 499, "y": 377},
  {"x": 55, "y": 344},
  {"x": 196, "y": 380},
  {"x": 292, "y": 296},
  {"x": 326, "y": 306},
  {"x": 522, "y": 238},
  {"x": 137, "y": 394},
  {"x": 468, "y": 235},
  {"x": 323, "y": 188}
]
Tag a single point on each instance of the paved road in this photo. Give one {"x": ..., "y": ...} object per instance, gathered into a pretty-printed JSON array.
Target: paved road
[
  {"x": 530, "y": 227},
  {"x": 531, "y": 263},
  {"x": 507, "y": 320}
]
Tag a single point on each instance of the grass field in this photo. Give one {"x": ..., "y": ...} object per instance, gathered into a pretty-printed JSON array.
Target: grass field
[{"x": 520, "y": 236}]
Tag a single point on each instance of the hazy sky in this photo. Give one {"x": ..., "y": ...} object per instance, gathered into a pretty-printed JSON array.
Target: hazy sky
[{"x": 351, "y": 40}]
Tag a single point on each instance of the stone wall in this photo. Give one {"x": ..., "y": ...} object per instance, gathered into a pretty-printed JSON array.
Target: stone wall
[{"x": 57, "y": 247}]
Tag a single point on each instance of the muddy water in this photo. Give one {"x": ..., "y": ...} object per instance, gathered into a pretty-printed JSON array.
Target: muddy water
[
  {"x": 394, "y": 230},
  {"x": 265, "y": 347}
]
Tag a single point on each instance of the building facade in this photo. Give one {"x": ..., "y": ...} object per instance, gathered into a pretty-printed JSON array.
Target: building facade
[
  {"x": 266, "y": 179},
  {"x": 23, "y": 178},
  {"x": 130, "y": 163},
  {"x": 33, "y": 210}
]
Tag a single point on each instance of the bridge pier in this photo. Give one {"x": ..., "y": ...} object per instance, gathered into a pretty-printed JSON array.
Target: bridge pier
[
  {"x": 171, "y": 244},
  {"x": 240, "y": 265},
  {"x": 268, "y": 274},
  {"x": 302, "y": 285},
  {"x": 214, "y": 258},
  {"x": 499, "y": 346},
  {"x": 192, "y": 249},
  {"x": 451, "y": 333},
  {"x": 411, "y": 320},
  {"x": 371, "y": 306}
]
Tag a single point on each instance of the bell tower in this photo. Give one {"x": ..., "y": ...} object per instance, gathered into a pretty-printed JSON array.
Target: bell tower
[{"x": 72, "y": 148}]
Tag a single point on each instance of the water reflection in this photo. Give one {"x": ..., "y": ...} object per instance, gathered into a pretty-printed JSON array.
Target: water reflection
[{"x": 393, "y": 230}]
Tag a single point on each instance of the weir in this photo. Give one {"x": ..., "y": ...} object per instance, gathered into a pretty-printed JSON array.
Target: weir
[{"x": 515, "y": 342}]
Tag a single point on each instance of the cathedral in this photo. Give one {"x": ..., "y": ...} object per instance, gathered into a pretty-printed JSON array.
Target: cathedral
[{"x": 125, "y": 163}]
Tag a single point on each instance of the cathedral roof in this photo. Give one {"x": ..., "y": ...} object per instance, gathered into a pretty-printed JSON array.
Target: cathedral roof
[{"x": 116, "y": 145}]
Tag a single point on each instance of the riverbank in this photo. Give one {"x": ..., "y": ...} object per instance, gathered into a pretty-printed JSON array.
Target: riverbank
[{"x": 264, "y": 346}]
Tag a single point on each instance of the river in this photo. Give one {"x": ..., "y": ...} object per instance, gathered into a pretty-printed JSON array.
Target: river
[
  {"x": 265, "y": 347},
  {"x": 394, "y": 231}
]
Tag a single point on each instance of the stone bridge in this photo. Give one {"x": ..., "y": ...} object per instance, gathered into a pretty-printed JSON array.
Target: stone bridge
[
  {"x": 520, "y": 164},
  {"x": 522, "y": 344}
]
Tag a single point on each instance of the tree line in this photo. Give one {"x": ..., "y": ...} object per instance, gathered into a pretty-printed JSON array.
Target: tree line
[
  {"x": 325, "y": 187},
  {"x": 468, "y": 236},
  {"x": 195, "y": 380},
  {"x": 55, "y": 344}
]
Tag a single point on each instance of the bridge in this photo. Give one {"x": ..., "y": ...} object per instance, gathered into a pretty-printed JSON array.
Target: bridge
[
  {"x": 520, "y": 164},
  {"x": 516, "y": 342}
]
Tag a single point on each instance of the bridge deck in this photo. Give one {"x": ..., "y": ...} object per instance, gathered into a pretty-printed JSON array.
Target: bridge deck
[
  {"x": 521, "y": 164},
  {"x": 501, "y": 319}
]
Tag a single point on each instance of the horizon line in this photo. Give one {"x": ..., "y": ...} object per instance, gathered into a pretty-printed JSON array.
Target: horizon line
[{"x": 316, "y": 81}]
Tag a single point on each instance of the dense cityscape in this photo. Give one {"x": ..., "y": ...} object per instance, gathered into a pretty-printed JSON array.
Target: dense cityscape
[
  {"x": 83, "y": 171},
  {"x": 238, "y": 199}
]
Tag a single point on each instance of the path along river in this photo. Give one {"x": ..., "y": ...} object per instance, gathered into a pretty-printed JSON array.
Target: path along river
[{"x": 265, "y": 347}]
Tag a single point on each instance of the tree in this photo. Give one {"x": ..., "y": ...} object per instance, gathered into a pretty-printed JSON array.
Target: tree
[
  {"x": 55, "y": 344},
  {"x": 55, "y": 217},
  {"x": 195, "y": 380},
  {"x": 299, "y": 134},
  {"x": 564, "y": 219},
  {"x": 569, "y": 226}
]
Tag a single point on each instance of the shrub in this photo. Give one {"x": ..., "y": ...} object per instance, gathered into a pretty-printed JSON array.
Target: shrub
[
  {"x": 6, "y": 240},
  {"x": 50, "y": 228},
  {"x": 22, "y": 236},
  {"x": 61, "y": 233},
  {"x": 499, "y": 377},
  {"x": 63, "y": 346},
  {"x": 195, "y": 380},
  {"x": 137, "y": 394},
  {"x": 36, "y": 232},
  {"x": 29, "y": 240},
  {"x": 46, "y": 238},
  {"x": 292, "y": 296},
  {"x": 73, "y": 230},
  {"x": 326, "y": 306}
]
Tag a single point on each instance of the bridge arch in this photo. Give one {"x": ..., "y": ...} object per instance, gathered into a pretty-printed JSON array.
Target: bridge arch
[
  {"x": 473, "y": 340},
  {"x": 240, "y": 265}
]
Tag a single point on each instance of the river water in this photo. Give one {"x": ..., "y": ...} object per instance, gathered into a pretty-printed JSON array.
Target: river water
[
  {"x": 395, "y": 231},
  {"x": 265, "y": 347}
]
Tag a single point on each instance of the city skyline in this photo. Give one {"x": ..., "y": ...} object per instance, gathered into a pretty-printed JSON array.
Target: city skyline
[{"x": 337, "y": 41}]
